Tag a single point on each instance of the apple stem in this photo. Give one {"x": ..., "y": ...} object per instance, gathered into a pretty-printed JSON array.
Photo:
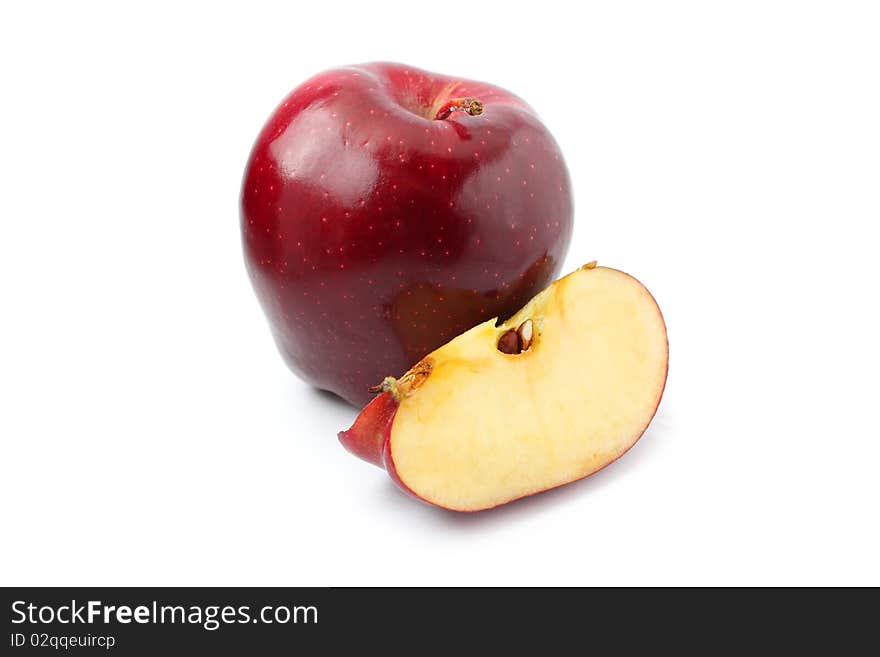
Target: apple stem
[
  {"x": 471, "y": 106},
  {"x": 389, "y": 384}
]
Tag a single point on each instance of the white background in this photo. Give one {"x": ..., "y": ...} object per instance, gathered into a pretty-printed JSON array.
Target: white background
[{"x": 727, "y": 154}]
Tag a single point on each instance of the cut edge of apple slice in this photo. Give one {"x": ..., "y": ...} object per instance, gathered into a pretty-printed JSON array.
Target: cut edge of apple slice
[{"x": 486, "y": 428}]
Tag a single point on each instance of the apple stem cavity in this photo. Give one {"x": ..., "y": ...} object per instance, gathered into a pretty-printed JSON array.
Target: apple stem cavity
[{"x": 471, "y": 106}]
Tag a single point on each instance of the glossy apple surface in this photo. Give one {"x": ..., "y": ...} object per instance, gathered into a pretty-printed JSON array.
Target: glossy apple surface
[{"x": 374, "y": 231}]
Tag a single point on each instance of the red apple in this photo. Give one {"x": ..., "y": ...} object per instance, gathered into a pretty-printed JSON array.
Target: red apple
[{"x": 385, "y": 209}]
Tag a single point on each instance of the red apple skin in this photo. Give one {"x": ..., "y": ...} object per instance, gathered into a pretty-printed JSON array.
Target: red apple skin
[
  {"x": 374, "y": 233},
  {"x": 369, "y": 434},
  {"x": 369, "y": 437}
]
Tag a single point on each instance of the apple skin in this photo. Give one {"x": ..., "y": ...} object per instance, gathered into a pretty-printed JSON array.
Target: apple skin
[
  {"x": 369, "y": 438},
  {"x": 374, "y": 233},
  {"x": 369, "y": 434}
]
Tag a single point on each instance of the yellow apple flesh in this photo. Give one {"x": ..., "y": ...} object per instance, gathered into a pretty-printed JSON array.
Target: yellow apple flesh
[{"x": 470, "y": 427}]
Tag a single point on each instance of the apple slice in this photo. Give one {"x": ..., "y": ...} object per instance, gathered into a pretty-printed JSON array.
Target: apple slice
[{"x": 555, "y": 393}]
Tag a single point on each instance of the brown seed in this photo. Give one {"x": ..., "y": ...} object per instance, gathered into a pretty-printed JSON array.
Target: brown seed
[
  {"x": 526, "y": 332},
  {"x": 509, "y": 343}
]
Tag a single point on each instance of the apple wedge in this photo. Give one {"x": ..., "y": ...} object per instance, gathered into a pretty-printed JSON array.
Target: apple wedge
[{"x": 558, "y": 391}]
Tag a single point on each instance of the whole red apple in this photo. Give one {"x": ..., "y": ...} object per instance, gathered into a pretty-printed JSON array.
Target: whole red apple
[{"x": 386, "y": 209}]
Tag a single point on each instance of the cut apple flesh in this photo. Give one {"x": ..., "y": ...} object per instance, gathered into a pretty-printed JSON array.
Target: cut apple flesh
[{"x": 478, "y": 427}]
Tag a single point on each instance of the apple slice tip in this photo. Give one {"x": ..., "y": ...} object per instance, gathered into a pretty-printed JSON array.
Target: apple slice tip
[{"x": 366, "y": 437}]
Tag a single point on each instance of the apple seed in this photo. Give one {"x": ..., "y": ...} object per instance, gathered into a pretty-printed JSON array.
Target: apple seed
[
  {"x": 526, "y": 332},
  {"x": 509, "y": 343}
]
